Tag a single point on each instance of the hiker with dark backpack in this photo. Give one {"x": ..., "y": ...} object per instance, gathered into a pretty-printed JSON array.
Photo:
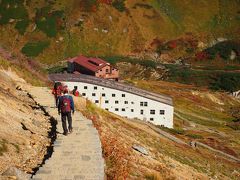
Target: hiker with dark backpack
[{"x": 65, "y": 107}]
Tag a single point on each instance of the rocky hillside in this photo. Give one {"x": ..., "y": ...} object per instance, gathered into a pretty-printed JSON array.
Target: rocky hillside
[
  {"x": 24, "y": 128},
  {"x": 55, "y": 30}
]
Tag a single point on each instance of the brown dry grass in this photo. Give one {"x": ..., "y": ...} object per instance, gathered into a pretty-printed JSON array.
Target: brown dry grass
[
  {"x": 167, "y": 159},
  {"x": 117, "y": 156}
]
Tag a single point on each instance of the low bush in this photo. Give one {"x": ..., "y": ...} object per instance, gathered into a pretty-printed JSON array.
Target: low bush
[
  {"x": 172, "y": 131},
  {"x": 3, "y": 147},
  {"x": 234, "y": 125},
  {"x": 223, "y": 49},
  {"x": 57, "y": 69},
  {"x": 12, "y": 9},
  {"x": 119, "y": 5},
  {"x": 21, "y": 26},
  {"x": 33, "y": 49},
  {"x": 194, "y": 136},
  {"x": 49, "y": 21},
  {"x": 228, "y": 82}
]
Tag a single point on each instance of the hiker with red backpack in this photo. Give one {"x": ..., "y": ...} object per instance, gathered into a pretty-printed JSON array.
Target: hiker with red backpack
[{"x": 65, "y": 107}]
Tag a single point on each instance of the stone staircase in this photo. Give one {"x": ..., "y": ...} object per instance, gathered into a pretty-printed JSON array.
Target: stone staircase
[{"x": 76, "y": 156}]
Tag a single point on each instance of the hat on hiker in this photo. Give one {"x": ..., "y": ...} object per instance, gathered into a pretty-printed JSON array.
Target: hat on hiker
[{"x": 65, "y": 91}]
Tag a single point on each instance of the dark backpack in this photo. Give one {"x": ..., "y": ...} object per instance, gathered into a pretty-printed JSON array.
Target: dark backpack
[{"x": 66, "y": 105}]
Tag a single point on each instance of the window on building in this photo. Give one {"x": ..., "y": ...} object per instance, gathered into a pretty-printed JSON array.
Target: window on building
[
  {"x": 162, "y": 112},
  {"x": 151, "y": 119},
  {"x": 75, "y": 87},
  {"x": 132, "y": 110},
  {"x": 145, "y": 103},
  {"x": 123, "y": 95},
  {"x": 85, "y": 87},
  {"x": 116, "y": 109},
  {"x": 96, "y": 101},
  {"x": 83, "y": 94},
  {"x": 116, "y": 102},
  {"x": 113, "y": 95},
  {"x": 132, "y": 102},
  {"x": 123, "y": 109},
  {"x": 106, "y": 109},
  {"x": 95, "y": 87},
  {"x": 141, "y": 112},
  {"x": 106, "y": 101},
  {"x": 103, "y": 94},
  {"x": 141, "y": 103},
  {"x": 93, "y": 94},
  {"x": 152, "y": 111},
  {"x": 125, "y": 102},
  {"x": 107, "y": 70}
]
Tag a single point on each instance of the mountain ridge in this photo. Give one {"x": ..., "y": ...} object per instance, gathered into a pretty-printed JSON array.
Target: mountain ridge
[{"x": 61, "y": 29}]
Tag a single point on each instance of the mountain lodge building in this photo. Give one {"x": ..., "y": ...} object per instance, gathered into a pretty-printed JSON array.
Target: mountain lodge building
[{"x": 92, "y": 66}]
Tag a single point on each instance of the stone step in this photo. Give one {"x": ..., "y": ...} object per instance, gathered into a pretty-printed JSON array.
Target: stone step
[{"x": 76, "y": 156}]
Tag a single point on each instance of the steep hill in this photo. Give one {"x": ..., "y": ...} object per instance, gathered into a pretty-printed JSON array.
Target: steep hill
[
  {"x": 55, "y": 30},
  {"x": 24, "y": 127}
]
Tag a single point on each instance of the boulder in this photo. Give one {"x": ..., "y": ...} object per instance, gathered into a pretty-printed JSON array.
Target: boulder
[{"x": 140, "y": 149}]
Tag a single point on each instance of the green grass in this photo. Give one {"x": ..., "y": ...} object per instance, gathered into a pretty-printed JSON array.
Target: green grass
[
  {"x": 56, "y": 69},
  {"x": 194, "y": 136},
  {"x": 21, "y": 26},
  {"x": 47, "y": 19},
  {"x": 33, "y": 49},
  {"x": 172, "y": 131},
  {"x": 171, "y": 10},
  {"x": 206, "y": 76},
  {"x": 116, "y": 59},
  {"x": 12, "y": 9}
]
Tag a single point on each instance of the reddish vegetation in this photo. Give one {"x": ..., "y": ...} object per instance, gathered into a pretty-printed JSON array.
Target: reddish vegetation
[
  {"x": 105, "y": 1},
  {"x": 172, "y": 44},
  {"x": 116, "y": 155},
  {"x": 201, "y": 56},
  {"x": 214, "y": 143}
]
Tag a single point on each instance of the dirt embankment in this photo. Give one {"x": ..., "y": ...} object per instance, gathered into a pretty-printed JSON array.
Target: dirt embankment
[{"x": 24, "y": 129}]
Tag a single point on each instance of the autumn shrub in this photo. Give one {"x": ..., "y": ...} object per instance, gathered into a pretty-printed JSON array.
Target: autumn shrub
[{"x": 116, "y": 154}]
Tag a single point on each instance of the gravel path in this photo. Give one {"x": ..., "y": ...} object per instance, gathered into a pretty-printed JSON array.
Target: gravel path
[{"x": 76, "y": 156}]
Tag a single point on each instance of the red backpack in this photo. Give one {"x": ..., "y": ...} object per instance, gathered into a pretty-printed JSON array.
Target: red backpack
[{"x": 66, "y": 105}]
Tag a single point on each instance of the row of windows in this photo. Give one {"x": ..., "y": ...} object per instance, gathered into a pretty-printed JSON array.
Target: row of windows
[
  {"x": 103, "y": 94},
  {"x": 116, "y": 109},
  {"x": 141, "y": 112}
]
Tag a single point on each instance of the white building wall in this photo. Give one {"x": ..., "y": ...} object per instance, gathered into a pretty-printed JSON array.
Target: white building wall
[{"x": 125, "y": 104}]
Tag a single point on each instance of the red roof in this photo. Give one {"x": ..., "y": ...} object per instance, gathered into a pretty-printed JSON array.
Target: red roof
[{"x": 93, "y": 64}]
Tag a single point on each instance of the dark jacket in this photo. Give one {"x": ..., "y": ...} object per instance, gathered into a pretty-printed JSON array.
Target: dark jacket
[{"x": 61, "y": 102}]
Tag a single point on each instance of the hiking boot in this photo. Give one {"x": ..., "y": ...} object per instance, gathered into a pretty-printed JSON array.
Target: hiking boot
[{"x": 65, "y": 133}]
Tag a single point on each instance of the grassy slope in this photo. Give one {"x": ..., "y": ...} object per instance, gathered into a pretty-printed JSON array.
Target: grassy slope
[
  {"x": 202, "y": 112},
  {"x": 29, "y": 74},
  {"x": 127, "y": 31},
  {"x": 169, "y": 160}
]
